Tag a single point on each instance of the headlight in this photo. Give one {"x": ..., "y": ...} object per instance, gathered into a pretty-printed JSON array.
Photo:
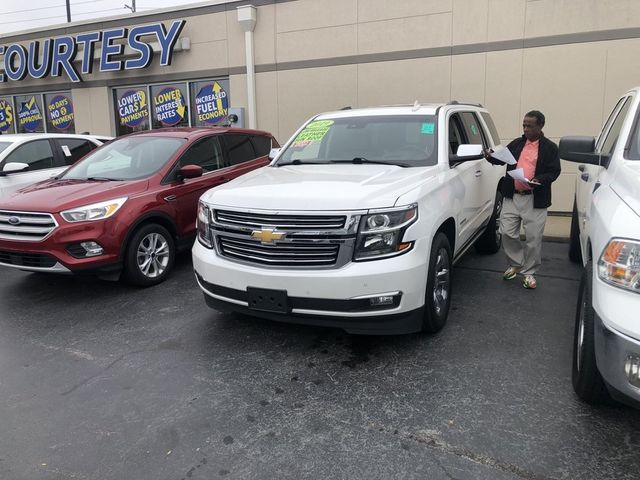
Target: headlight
[
  {"x": 380, "y": 233},
  {"x": 619, "y": 264},
  {"x": 204, "y": 233},
  {"x": 96, "y": 211}
]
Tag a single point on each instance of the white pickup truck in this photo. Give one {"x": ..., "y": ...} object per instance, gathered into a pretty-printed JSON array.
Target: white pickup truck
[
  {"x": 605, "y": 237},
  {"x": 357, "y": 221}
]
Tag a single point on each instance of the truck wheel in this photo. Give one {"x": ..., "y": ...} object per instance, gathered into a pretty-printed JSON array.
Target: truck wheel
[
  {"x": 586, "y": 379},
  {"x": 438, "y": 293},
  {"x": 491, "y": 240},
  {"x": 150, "y": 256},
  {"x": 575, "y": 253}
]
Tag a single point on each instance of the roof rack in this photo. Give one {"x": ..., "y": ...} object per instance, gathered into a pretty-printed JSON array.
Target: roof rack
[{"x": 456, "y": 102}]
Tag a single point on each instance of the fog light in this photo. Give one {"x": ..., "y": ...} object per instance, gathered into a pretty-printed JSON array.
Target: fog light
[
  {"x": 381, "y": 300},
  {"x": 92, "y": 249},
  {"x": 632, "y": 370}
]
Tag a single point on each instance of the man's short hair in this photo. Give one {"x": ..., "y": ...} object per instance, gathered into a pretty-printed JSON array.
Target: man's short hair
[{"x": 538, "y": 115}]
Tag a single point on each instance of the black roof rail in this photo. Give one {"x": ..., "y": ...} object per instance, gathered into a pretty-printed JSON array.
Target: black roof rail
[
  {"x": 456, "y": 102},
  {"x": 348, "y": 107}
]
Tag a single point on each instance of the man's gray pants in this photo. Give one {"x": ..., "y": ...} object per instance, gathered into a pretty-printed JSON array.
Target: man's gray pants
[{"x": 525, "y": 255}]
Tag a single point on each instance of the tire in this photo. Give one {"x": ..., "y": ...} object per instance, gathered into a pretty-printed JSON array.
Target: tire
[
  {"x": 438, "y": 290},
  {"x": 491, "y": 240},
  {"x": 575, "y": 253},
  {"x": 150, "y": 256},
  {"x": 587, "y": 381}
]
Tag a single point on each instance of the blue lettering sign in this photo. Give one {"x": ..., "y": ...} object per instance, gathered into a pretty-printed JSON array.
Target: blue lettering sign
[
  {"x": 146, "y": 52},
  {"x": 64, "y": 51},
  {"x": 34, "y": 52},
  {"x": 15, "y": 73},
  {"x": 88, "y": 42},
  {"x": 168, "y": 41},
  {"x": 2, "y": 77},
  {"x": 109, "y": 50}
]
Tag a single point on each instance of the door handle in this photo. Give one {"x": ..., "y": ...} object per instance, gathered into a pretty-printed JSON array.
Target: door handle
[
  {"x": 478, "y": 173},
  {"x": 585, "y": 177},
  {"x": 581, "y": 168}
]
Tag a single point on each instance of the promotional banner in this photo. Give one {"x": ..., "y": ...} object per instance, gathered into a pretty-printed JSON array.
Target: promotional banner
[
  {"x": 133, "y": 108},
  {"x": 212, "y": 104},
  {"x": 30, "y": 116},
  {"x": 60, "y": 110},
  {"x": 169, "y": 106},
  {"x": 6, "y": 116}
]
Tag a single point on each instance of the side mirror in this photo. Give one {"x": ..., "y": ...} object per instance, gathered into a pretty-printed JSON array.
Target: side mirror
[
  {"x": 467, "y": 152},
  {"x": 15, "y": 167},
  {"x": 273, "y": 153},
  {"x": 190, "y": 171},
  {"x": 581, "y": 150}
]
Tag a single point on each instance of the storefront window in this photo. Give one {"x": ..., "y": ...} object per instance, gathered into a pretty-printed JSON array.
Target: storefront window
[
  {"x": 132, "y": 109},
  {"x": 60, "y": 113},
  {"x": 210, "y": 101},
  {"x": 30, "y": 113},
  {"x": 7, "y": 116},
  {"x": 170, "y": 105}
]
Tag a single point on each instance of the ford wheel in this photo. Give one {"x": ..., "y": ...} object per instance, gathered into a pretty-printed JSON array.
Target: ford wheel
[{"x": 150, "y": 255}]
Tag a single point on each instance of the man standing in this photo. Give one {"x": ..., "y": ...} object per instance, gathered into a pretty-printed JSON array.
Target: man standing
[{"x": 525, "y": 203}]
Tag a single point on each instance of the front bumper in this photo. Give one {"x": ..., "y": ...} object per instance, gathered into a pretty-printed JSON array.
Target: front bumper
[{"x": 327, "y": 297}]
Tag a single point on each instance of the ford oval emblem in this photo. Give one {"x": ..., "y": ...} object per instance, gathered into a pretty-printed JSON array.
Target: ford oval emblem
[{"x": 14, "y": 220}]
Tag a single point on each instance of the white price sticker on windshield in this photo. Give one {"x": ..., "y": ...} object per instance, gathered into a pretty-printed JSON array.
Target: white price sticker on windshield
[{"x": 66, "y": 150}]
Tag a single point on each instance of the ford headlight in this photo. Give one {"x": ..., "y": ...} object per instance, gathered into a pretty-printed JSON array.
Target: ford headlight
[
  {"x": 619, "y": 264},
  {"x": 204, "y": 232},
  {"x": 95, "y": 211},
  {"x": 380, "y": 233}
]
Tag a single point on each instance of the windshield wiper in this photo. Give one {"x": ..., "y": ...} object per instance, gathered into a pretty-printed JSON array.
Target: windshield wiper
[
  {"x": 101, "y": 179},
  {"x": 300, "y": 162},
  {"x": 361, "y": 160}
]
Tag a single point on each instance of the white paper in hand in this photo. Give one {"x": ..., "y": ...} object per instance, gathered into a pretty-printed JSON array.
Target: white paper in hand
[
  {"x": 518, "y": 174},
  {"x": 504, "y": 155}
]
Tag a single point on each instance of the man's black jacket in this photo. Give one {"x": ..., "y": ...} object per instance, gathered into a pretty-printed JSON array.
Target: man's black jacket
[{"x": 547, "y": 170}]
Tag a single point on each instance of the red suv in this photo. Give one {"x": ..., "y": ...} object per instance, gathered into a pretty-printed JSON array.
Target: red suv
[{"x": 127, "y": 206}]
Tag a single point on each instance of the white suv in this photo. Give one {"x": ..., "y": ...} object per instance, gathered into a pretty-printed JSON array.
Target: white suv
[
  {"x": 605, "y": 236},
  {"x": 356, "y": 222},
  {"x": 28, "y": 158}
]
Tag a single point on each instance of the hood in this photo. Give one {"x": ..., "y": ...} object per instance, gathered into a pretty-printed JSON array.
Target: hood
[
  {"x": 627, "y": 184},
  {"x": 54, "y": 196},
  {"x": 320, "y": 187}
]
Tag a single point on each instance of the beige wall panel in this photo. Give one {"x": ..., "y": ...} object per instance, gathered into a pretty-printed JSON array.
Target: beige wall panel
[
  {"x": 373, "y": 10},
  {"x": 426, "y": 80},
  {"x": 470, "y": 21},
  {"x": 468, "y": 77},
  {"x": 566, "y": 83},
  {"x": 423, "y": 31},
  {"x": 267, "y": 107},
  {"x": 506, "y": 19},
  {"x": 502, "y": 92},
  {"x": 319, "y": 43},
  {"x": 204, "y": 28},
  {"x": 264, "y": 37},
  {"x": 623, "y": 71},
  {"x": 202, "y": 56},
  {"x": 554, "y": 17},
  {"x": 92, "y": 108},
  {"x": 562, "y": 193},
  {"x": 306, "y": 92},
  {"x": 309, "y": 14}
]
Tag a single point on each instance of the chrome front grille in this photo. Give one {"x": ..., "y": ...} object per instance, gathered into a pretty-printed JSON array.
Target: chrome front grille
[
  {"x": 287, "y": 240},
  {"x": 291, "y": 254},
  {"x": 25, "y": 226},
  {"x": 292, "y": 222}
]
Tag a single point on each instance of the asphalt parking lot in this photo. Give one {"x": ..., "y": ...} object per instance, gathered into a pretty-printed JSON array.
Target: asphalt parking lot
[{"x": 99, "y": 380}]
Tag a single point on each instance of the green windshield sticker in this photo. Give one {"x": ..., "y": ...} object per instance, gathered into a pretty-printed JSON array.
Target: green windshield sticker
[
  {"x": 428, "y": 128},
  {"x": 314, "y": 132},
  {"x": 474, "y": 129}
]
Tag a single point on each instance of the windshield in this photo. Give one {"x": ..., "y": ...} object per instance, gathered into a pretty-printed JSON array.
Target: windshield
[
  {"x": 4, "y": 145},
  {"x": 127, "y": 158},
  {"x": 405, "y": 140}
]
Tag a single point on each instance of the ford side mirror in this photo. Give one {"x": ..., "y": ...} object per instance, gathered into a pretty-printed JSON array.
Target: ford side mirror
[
  {"x": 467, "y": 152},
  {"x": 582, "y": 150},
  {"x": 190, "y": 171},
  {"x": 13, "y": 167}
]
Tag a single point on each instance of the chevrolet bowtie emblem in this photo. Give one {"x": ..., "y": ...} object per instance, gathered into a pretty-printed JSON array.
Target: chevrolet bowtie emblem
[{"x": 267, "y": 235}]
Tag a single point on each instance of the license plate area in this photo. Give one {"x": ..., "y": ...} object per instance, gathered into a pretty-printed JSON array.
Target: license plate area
[{"x": 267, "y": 300}]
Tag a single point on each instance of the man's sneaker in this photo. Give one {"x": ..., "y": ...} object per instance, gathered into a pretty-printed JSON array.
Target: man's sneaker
[
  {"x": 529, "y": 282},
  {"x": 510, "y": 273}
]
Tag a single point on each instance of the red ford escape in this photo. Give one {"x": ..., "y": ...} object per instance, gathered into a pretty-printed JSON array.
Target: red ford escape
[{"x": 127, "y": 206}]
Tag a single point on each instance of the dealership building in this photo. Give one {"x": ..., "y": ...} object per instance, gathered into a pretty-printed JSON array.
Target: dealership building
[{"x": 275, "y": 63}]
